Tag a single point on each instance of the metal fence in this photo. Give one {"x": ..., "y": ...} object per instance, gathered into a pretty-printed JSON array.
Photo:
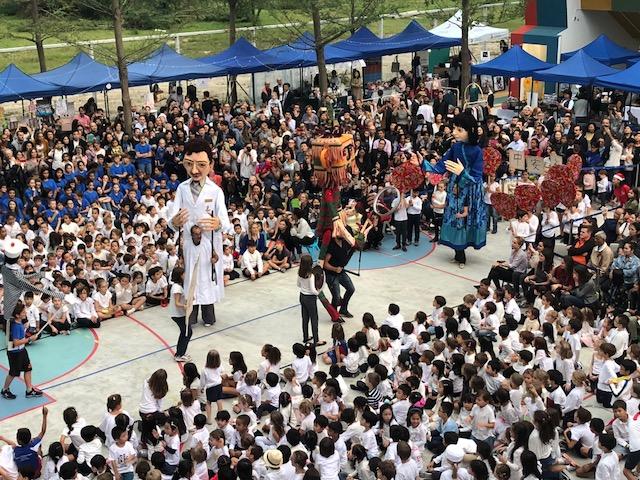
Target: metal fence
[{"x": 175, "y": 38}]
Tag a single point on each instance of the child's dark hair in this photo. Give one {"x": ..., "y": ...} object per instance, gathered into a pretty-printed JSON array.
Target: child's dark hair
[
  {"x": 440, "y": 300},
  {"x": 299, "y": 350},
  {"x": 272, "y": 379},
  {"x": 394, "y": 309}
]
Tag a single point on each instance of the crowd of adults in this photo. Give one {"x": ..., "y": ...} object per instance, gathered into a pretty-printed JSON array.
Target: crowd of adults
[{"x": 91, "y": 205}]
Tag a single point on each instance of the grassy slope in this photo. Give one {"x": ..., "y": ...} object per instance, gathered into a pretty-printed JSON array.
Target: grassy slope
[{"x": 192, "y": 46}]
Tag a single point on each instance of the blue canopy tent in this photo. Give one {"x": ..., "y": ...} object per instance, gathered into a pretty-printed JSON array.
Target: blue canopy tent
[
  {"x": 166, "y": 65},
  {"x": 580, "y": 69},
  {"x": 361, "y": 37},
  {"x": 515, "y": 62},
  {"x": 17, "y": 85},
  {"x": 83, "y": 74},
  {"x": 242, "y": 57},
  {"x": 302, "y": 53},
  {"x": 604, "y": 50},
  {"x": 627, "y": 80},
  {"x": 412, "y": 39}
]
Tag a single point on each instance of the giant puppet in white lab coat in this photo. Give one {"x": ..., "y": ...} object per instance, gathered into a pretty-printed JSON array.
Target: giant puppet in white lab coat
[{"x": 199, "y": 201}]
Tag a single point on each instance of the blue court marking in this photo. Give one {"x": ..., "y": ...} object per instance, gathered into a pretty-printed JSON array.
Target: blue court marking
[
  {"x": 387, "y": 257},
  {"x": 54, "y": 356},
  {"x": 10, "y": 408}
]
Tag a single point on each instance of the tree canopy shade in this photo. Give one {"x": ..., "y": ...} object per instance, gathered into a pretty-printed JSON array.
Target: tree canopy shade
[
  {"x": 17, "y": 85},
  {"x": 243, "y": 57},
  {"x": 627, "y": 80},
  {"x": 412, "y": 39},
  {"x": 515, "y": 62},
  {"x": 580, "y": 69},
  {"x": 606, "y": 51},
  {"x": 166, "y": 65},
  {"x": 82, "y": 74}
]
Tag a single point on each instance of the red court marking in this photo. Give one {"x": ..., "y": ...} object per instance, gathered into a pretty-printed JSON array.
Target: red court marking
[
  {"x": 96, "y": 343},
  {"x": 428, "y": 266},
  {"x": 447, "y": 273},
  {"x": 44, "y": 394},
  {"x": 158, "y": 336}
]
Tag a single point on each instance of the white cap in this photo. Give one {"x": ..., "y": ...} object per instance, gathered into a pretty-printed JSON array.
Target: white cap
[
  {"x": 13, "y": 248},
  {"x": 454, "y": 453}
]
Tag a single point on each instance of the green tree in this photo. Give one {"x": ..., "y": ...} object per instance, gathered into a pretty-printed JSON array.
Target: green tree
[
  {"x": 474, "y": 11},
  {"x": 43, "y": 21},
  {"x": 331, "y": 21}
]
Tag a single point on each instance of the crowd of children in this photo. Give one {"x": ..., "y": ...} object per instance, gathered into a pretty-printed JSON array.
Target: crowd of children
[{"x": 464, "y": 392}]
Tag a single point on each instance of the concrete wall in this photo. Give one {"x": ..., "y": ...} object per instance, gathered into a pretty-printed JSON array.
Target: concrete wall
[{"x": 583, "y": 26}]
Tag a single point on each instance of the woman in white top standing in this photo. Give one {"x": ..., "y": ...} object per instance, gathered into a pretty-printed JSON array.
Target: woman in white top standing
[
  {"x": 178, "y": 313},
  {"x": 308, "y": 299},
  {"x": 153, "y": 391}
]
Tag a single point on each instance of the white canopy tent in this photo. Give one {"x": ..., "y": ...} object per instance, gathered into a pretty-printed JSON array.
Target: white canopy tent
[{"x": 478, "y": 33}]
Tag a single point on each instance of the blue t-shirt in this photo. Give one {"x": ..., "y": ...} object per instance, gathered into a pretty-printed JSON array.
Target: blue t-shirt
[
  {"x": 89, "y": 197},
  {"x": 146, "y": 148},
  {"x": 116, "y": 170},
  {"x": 17, "y": 333},
  {"x": 26, "y": 455}
]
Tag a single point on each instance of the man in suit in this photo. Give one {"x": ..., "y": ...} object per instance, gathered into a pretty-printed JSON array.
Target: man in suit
[
  {"x": 579, "y": 139},
  {"x": 286, "y": 97},
  {"x": 279, "y": 88},
  {"x": 78, "y": 141}
]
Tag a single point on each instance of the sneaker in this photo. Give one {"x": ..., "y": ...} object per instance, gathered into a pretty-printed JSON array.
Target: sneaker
[
  {"x": 416, "y": 243},
  {"x": 33, "y": 393},
  {"x": 183, "y": 358},
  {"x": 207, "y": 325},
  {"x": 397, "y": 247},
  {"x": 7, "y": 394},
  {"x": 346, "y": 314},
  {"x": 404, "y": 249},
  {"x": 461, "y": 266}
]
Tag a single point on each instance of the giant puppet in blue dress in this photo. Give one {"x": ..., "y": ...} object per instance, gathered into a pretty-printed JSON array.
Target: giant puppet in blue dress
[{"x": 465, "y": 215}]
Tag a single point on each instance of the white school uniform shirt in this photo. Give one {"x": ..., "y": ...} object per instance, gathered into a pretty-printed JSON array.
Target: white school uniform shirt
[
  {"x": 210, "y": 201},
  {"x": 303, "y": 368},
  {"x": 211, "y": 377},
  {"x": 484, "y": 414},
  {"x": 608, "y": 371},
  {"x": 156, "y": 288},
  {"x": 119, "y": 456},
  {"x": 328, "y": 467},
  {"x": 582, "y": 432},
  {"x": 608, "y": 467},
  {"x": 84, "y": 309},
  {"x": 33, "y": 316},
  {"x": 174, "y": 310},
  {"x": 102, "y": 300},
  {"x": 148, "y": 403},
  {"x": 574, "y": 399},
  {"x": 620, "y": 339},
  {"x": 408, "y": 470}
]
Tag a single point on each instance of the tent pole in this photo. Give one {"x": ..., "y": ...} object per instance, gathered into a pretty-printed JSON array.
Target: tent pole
[
  {"x": 227, "y": 88},
  {"x": 22, "y": 101},
  {"x": 253, "y": 88}
]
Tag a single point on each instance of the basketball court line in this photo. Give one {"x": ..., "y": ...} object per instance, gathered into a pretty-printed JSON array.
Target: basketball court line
[{"x": 167, "y": 347}]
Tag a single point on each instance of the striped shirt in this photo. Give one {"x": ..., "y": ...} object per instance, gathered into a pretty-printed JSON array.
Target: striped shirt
[{"x": 374, "y": 397}]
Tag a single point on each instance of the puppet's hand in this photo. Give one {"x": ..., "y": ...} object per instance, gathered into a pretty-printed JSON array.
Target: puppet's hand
[
  {"x": 454, "y": 167},
  {"x": 209, "y": 223}
]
